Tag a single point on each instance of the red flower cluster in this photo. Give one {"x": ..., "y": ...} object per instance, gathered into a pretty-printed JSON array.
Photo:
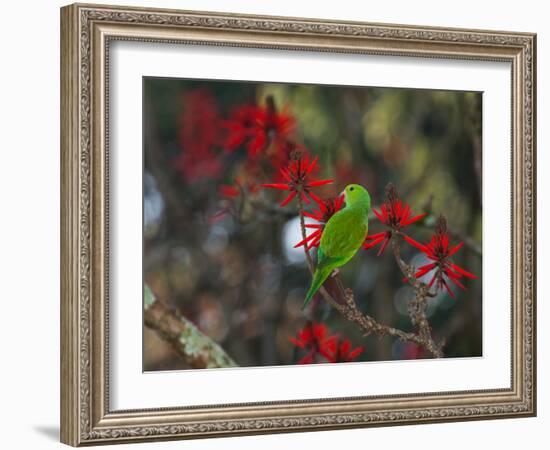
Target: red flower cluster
[
  {"x": 344, "y": 352},
  {"x": 240, "y": 128},
  {"x": 198, "y": 137},
  {"x": 439, "y": 251},
  {"x": 297, "y": 180},
  {"x": 327, "y": 208},
  {"x": 258, "y": 128},
  {"x": 263, "y": 132},
  {"x": 320, "y": 346},
  {"x": 396, "y": 215},
  {"x": 315, "y": 340}
]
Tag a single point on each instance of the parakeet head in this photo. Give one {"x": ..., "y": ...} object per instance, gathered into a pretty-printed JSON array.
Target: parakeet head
[{"x": 355, "y": 194}]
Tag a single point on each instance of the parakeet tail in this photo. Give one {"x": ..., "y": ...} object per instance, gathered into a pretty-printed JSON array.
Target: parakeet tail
[{"x": 318, "y": 279}]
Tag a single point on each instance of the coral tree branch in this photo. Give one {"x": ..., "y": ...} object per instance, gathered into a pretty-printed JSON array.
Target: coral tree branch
[
  {"x": 349, "y": 309},
  {"x": 195, "y": 349},
  {"x": 418, "y": 304}
]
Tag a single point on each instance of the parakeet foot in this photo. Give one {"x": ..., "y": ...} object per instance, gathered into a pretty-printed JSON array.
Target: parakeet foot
[{"x": 335, "y": 273}]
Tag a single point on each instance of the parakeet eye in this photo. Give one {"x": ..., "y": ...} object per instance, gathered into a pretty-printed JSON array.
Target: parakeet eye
[{"x": 351, "y": 189}]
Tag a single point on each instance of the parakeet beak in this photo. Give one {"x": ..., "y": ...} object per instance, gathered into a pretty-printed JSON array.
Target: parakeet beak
[{"x": 342, "y": 194}]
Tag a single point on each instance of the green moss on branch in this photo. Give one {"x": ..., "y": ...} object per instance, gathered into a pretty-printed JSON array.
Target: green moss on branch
[{"x": 196, "y": 349}]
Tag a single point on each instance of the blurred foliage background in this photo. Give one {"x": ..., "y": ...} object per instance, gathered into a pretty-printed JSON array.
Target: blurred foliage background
[{"x": 237, "y": 275}]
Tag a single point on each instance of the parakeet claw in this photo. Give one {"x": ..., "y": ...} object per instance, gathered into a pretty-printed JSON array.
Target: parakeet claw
[{"x": 335, "y": 273}]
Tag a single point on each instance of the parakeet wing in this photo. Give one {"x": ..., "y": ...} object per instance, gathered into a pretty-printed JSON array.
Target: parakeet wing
[
  {"x": 329, "y": 261},
  {"x": 343, "y": 234}
]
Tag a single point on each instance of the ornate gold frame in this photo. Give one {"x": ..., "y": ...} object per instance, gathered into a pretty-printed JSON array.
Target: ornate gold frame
[{"x": 86, "y": 31}]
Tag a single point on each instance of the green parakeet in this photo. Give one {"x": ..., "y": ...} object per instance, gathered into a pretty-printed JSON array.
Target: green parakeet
[{"x": 343, "y": 235}]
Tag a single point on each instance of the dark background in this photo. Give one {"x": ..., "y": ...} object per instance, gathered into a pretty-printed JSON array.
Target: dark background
[{"x": 237, "y": 277}]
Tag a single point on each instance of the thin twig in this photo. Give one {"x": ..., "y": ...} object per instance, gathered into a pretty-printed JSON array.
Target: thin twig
[
  {"x": 417, "y": 312},
  {"x": 419, "y": 303}
]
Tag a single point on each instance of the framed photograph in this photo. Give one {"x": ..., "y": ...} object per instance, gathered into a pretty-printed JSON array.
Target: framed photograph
[{"x": 276, "y": 225}]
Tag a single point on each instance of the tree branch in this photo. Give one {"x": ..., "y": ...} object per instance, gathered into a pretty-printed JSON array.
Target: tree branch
[
  {"x": 349, "y": 309},
  {"x": 419, "y": 303},
  {"x": 195, "y": 349}
]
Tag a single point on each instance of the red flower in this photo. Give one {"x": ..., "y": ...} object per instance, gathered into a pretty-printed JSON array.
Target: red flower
[
  {"x": 274, "y": 127},
  {"x": 258, "y": 128},
  {"x": 412, "y": 351},
  {"x": 240, "y": 126},
  {"x": 440, "y": 253},
  {"x": 326, "y": 210},
  {"x": 344, "y": 352},
  {"x": 297, "y": 180},
  {"x": 315, "y": 340},
  {"x": 395, "y": 214},
  {"x": 229, "y": 191},
  {"x": 239, "y": 187},
  {"x": 198, "y": 134},
  {"x": 375, "y": 239}
]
